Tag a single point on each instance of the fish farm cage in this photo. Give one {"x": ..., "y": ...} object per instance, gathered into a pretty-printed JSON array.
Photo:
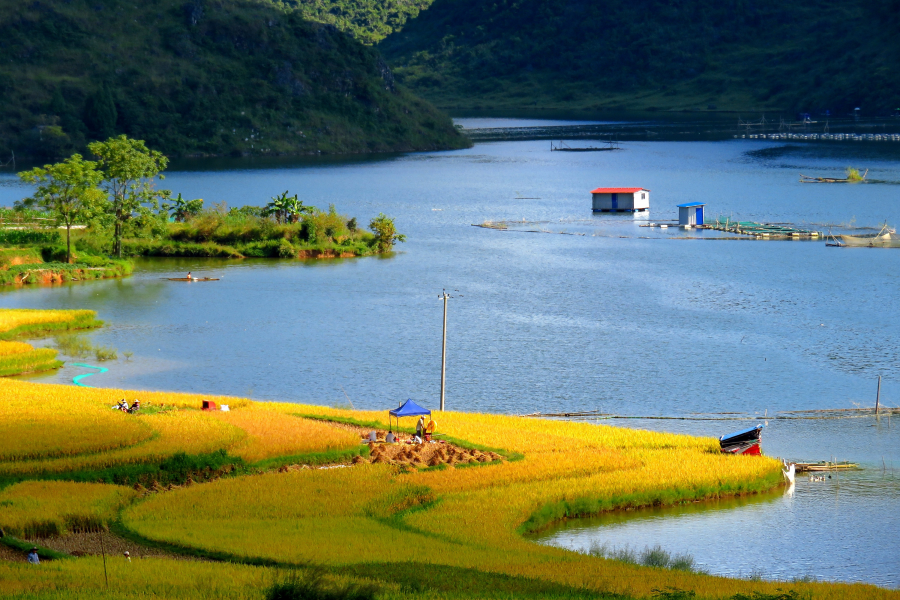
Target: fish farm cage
[{"x": 770, "y": 230}]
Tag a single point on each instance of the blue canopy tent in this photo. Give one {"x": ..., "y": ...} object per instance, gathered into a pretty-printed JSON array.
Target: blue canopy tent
[{"x": 407, "y": 409}]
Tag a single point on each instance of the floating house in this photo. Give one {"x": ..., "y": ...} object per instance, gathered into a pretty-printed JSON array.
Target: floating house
[
  {"x": 621, "y": 199},
  {"x": 691, "y": 213}
]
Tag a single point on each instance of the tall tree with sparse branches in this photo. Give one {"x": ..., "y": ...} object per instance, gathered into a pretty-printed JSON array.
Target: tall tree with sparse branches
[
  {"x": 129, "y": 171},
  {"x": 68, "y": 190}
]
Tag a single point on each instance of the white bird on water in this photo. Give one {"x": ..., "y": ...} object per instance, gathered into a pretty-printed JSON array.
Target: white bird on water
[{"x": 789, "y": 473}]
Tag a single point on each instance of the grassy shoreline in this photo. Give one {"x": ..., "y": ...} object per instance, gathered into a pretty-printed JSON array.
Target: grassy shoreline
[{"x": 34, "y": 255}]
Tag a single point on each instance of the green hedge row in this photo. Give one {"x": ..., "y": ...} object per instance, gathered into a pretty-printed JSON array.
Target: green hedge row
[{"x": 15, "y": 237}]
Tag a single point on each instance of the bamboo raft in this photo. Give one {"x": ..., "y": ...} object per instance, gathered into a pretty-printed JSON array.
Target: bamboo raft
[
  {"x": 828, "y": 413},
  {"x": 825, "y": 466},
  {"x": 838, "y": 413},
  {"x": 808, "y": 179}
]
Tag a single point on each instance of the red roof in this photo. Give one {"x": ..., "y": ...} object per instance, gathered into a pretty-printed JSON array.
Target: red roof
[{"x": 618, "y": 190}]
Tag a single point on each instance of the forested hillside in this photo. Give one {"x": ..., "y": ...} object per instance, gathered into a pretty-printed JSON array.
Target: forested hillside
[
  {"x": 369, "y": 21},
  {"x": 732, "y": 54},
  {"x": 198, "y": 77}
]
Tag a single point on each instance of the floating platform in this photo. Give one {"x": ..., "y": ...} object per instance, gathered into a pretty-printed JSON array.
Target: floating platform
[
  {"x": 771, "y": 231},
  {"x": 563, "y": 147}
]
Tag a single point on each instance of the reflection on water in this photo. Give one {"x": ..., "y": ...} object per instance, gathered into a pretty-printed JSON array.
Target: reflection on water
[
  {"x": 811, "y": 529},
  {"x": 840, "y": 529},
  {"x": 613, "y": 319}
]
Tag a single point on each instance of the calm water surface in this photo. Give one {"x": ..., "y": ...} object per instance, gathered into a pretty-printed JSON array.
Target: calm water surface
[{"x": 625, "y": 319}]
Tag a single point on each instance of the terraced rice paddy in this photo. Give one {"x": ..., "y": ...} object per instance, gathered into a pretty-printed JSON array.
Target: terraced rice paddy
[
  {"x": 42, "y": 508},
  {"x": 458, "y": 506},
  {"x": 463, "y": 515}
]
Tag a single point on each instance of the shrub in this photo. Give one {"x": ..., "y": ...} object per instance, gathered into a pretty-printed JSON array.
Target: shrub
[
  {"x": 55, "y": 254},
  {"x": 102, "y": 353},
  {"x": 312, "y": 585},
  {"x": 309, "y": 231},
  {"x": 73, "y": 344},
  {"x": 286, "y": 250},
  {"x": 385, "y": 233},
  {"x": 15, "y": 237},
  {"x": 265, "y": 249}
]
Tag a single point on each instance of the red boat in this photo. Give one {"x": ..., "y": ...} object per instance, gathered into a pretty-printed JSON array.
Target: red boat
[{"x": 742, "y": 442}]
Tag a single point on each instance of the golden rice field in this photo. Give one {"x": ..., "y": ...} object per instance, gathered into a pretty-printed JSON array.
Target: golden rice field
[
  {"x": 41, "y": 422},
  {"x": 474, "y": 524},
  {"x": 10, "y": 348},
  {"x": 469, "y": 519},
  {"x": 58, "y": 428},
  {"x": 19, "y": 357},
  {"x": 270, "y": 434},
  {"x": 43, "y": 508},
  {"x": 12, "y": 319},
  {"x": 83, "y": 579}
]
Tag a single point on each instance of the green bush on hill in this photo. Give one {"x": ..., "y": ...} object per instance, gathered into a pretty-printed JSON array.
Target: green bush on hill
[{"x": 369, "y": 22}]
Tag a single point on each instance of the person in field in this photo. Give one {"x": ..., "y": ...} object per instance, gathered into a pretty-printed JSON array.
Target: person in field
[
  {"x": 390, "y": 438},
  {"x": 33, "y": 557},
  {"x": 420, "y": 427}
]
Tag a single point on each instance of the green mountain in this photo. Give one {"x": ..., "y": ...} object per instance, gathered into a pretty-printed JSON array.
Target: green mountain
[
  {"x": 195, "y": 77},
  {"x": 653, "y": 54}
]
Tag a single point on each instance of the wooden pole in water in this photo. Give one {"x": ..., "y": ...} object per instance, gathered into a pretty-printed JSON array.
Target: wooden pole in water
[
  {"x": 445, "y": 295},
  {"x": 878, "y": 395}
]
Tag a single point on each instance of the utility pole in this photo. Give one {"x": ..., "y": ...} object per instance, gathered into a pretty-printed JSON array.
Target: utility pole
[{"x": 445, "y": 296}]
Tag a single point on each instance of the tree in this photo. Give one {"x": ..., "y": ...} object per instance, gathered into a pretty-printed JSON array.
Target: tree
[
  {"x": 183, "y": 209},
  {"x": 100, "y": 113},
  {"x": 286, "y": 209},
  {"x": 385, "y": 232},
  {"x": 129, "y": 170},
  {"x": 67, "y": 190}
]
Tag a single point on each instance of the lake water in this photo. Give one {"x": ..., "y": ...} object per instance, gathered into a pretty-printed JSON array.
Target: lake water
[{"x": 623, "y": 319}]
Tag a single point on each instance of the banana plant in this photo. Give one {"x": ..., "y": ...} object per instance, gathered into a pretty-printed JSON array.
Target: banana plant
[
  {"x": 287, "y": 209},
  {"x": 183, "y": 209}
]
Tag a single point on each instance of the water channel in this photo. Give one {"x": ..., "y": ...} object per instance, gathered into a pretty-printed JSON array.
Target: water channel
[{"x": 591, "y": 312}]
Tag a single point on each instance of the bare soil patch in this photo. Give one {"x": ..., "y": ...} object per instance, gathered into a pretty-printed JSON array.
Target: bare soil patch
[
  {"x": 11, "y": 555},
  {"x": 87, "y": 544}
]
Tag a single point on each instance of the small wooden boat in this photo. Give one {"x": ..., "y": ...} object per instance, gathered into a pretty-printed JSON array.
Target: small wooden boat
[
  {"x": 886, "y": 238},
  {"x": 742, "y": 442},
  {"x": 191, "y": 278}
]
